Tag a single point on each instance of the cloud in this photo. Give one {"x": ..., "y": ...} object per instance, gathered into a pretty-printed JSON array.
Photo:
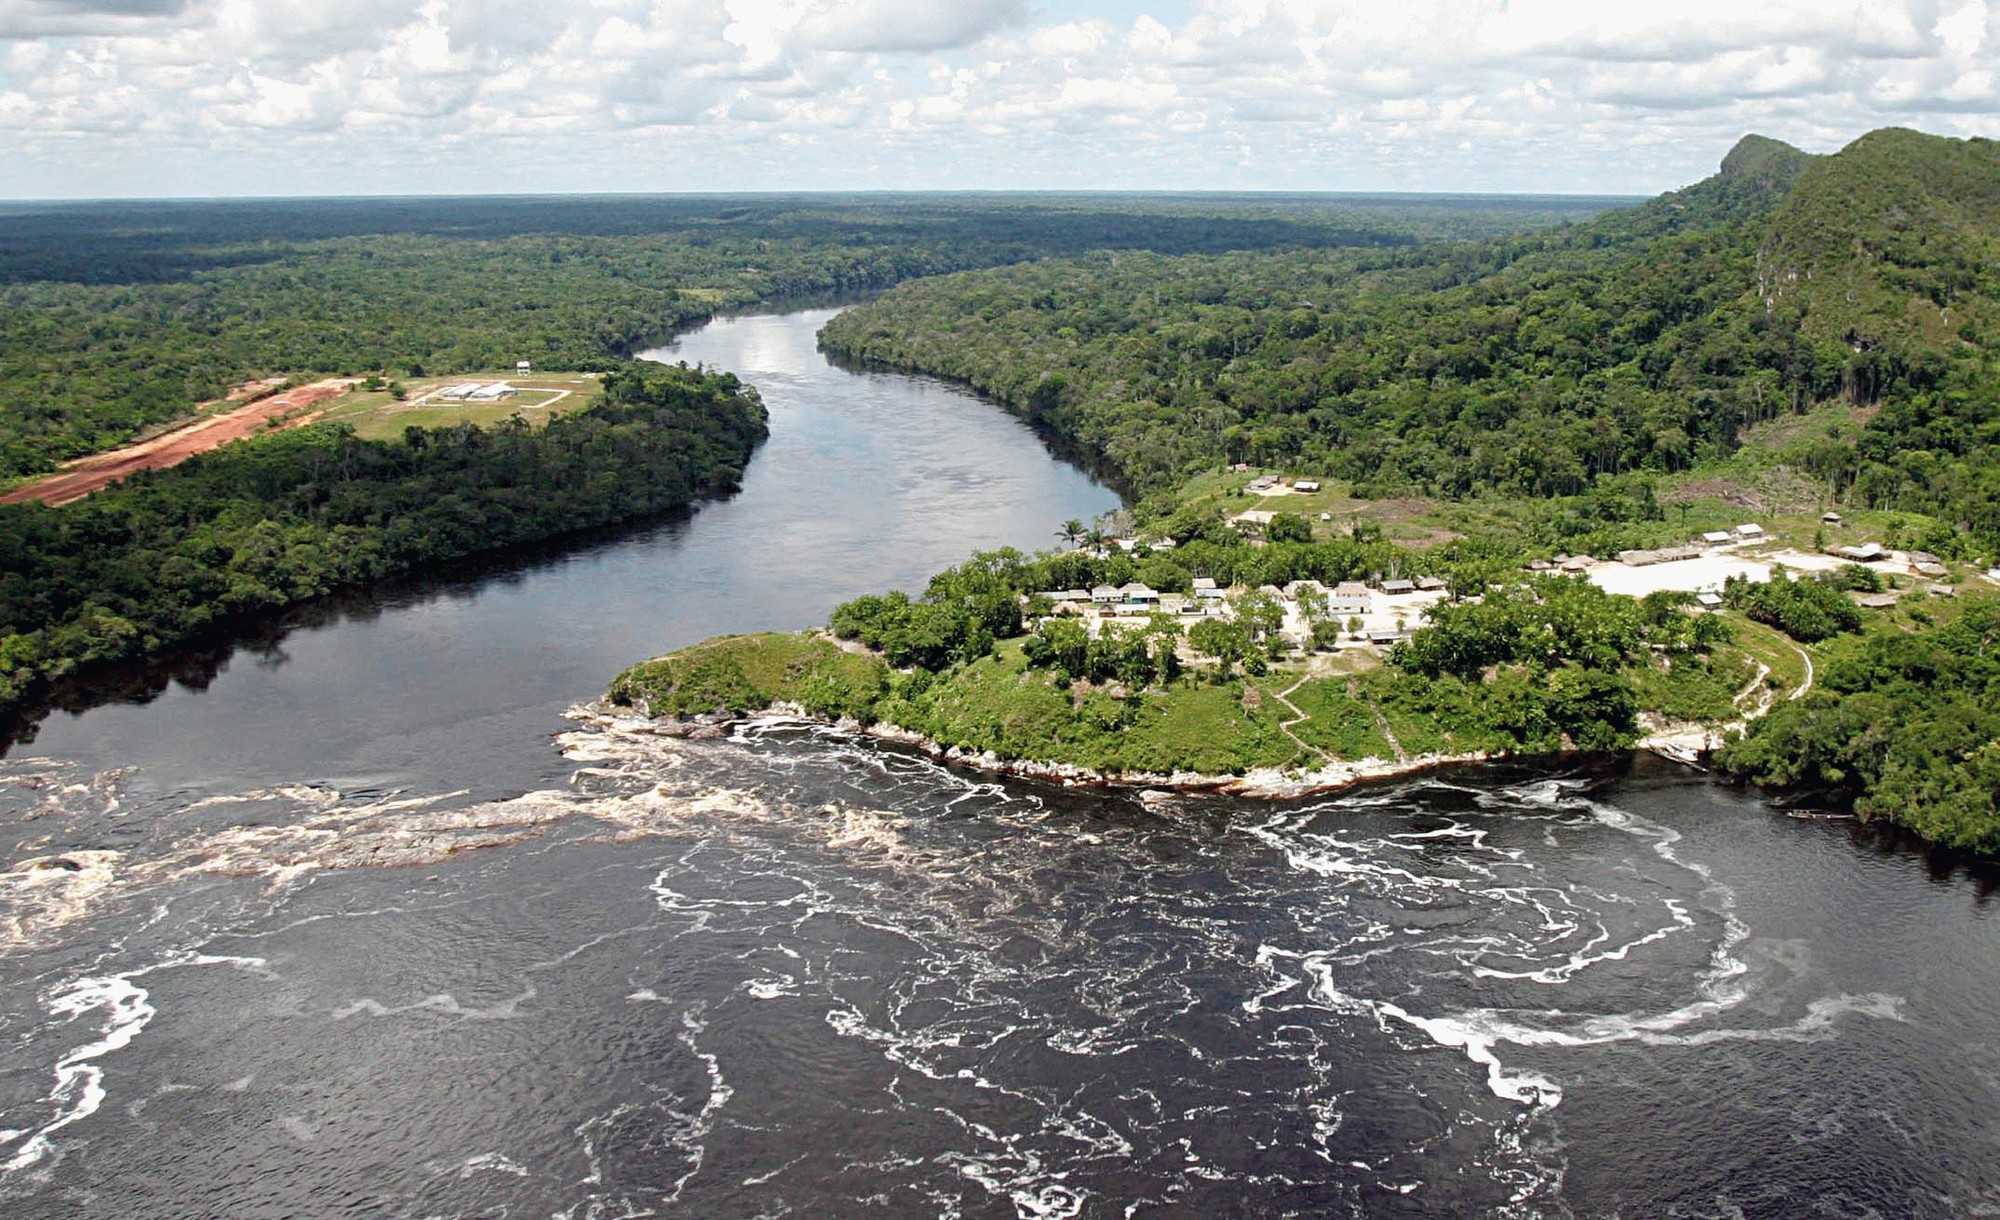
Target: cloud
[
  {"x": 67, "y": 18},
  {"x": 147, "y": 96},
  {"x": 903, "y": 25}
]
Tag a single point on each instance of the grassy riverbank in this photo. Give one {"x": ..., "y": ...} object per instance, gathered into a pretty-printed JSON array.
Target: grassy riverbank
[{"x": 1296, "y": 717}]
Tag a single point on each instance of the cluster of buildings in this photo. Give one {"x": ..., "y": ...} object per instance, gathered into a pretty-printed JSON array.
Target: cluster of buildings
[
  {"x": 477, "y": 391},
  {"x": 1387, "y": 609}
]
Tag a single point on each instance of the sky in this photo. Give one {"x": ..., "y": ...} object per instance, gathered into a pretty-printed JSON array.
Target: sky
[{"x": 172, "y": 98}]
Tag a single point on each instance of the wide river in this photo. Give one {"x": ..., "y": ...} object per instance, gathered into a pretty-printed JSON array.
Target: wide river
[{"x": 363, "y": 921}]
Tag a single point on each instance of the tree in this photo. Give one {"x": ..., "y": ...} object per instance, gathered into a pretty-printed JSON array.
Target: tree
[
  {"x": 1264, "y": 618},
  {"x": 1288, "y": 527},
  {"x": 1071, "y": 531},
  {"x": 1228, "y": 643}
]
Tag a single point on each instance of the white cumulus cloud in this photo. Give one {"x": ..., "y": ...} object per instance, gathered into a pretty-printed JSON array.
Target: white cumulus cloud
[{"x": 243, "y": 96}]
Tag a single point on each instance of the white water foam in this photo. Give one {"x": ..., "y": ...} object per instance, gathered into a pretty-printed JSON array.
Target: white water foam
[
  {"x": 1478, "y": 1033},
  {"x": 79, "y": 1090}
]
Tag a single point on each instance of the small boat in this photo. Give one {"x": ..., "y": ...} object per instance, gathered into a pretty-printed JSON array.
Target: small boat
[{"x": 1674, "y": 751}]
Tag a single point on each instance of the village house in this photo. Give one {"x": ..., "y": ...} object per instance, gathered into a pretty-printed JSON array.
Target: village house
[
  {"x": 1349, "y": 597},
  {"x": 1204, "y": 586},
  {"x": 1709, "y": 600},
  {"x": 1306, "y": 485},
  {"x": 1672, "y": 554},
  {"x": 1396, "y": 588},
  {"x": 1717, "y": 538},
  {"x": 1750, "y": 531},
  {"x": 1105, "y": 595}
]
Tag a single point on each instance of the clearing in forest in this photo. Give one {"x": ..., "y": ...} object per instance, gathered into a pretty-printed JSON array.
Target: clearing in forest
[{"x": 77, "y": 479}]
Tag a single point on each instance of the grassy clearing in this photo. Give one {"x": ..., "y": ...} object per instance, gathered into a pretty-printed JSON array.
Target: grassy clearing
[
  {"x": 1686, "y": 689},
  {"x": 1402, "y": 520},
  {"x": 1000, "y": 705},
  {"x": 378, "y": 415},
  {"x": 1773, "y": 648},
  {"x": 747, "y": 673},
  {"x": 1339, "y": 722}
]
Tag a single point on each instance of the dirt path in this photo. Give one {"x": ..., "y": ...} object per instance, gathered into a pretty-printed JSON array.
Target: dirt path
[
  {"x": 1298, "y": 717},
  {"x": 1755, "y": 686},
  {"x": 79, "y": 478},
  {"x": 1808, "y": 683},
  {"x": 1389, "y": 734}
]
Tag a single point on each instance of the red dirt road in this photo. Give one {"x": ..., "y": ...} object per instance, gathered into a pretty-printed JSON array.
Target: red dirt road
[{"x": 79, "y": 478}]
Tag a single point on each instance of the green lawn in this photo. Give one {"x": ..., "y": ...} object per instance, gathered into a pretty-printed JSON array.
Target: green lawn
[{"x": 377, "y": 415}]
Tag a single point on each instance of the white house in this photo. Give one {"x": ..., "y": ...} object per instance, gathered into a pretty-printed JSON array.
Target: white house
[
  {"x": 1750, "y": 530},
  {"x": 524, "y": 367},
  {"x": 1204, "y": 586},
  {"x": 1716, "y": 537},
  {"x": 1348, "y": 597},
  {"x": 1306, "y": 485}
]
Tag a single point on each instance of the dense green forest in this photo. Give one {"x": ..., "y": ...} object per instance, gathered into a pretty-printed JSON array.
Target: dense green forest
[
  {"x": 117, "y": 316},
  {"x": 1641, "y": 340},
  {"x": 1905, "y": 724},
  {"x": 169, "y": 556}
]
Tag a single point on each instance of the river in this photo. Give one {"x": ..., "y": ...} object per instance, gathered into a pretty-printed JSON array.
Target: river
[{"x": 792, "y": 973}]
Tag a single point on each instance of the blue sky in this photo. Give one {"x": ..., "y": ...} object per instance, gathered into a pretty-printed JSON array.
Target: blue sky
[{"x": 259, "y": 97}]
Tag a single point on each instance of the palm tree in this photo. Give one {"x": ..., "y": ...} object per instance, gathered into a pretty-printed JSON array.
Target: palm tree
[
  {"x": 1071, "y": 531},
  {"x": 1095, "y": 537}
]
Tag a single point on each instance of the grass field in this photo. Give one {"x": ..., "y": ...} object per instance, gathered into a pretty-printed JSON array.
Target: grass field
[{"x": 378, "y": 415}]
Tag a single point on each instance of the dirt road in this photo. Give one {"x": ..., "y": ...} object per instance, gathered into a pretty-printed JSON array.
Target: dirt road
[{"x": 79, "y": 478}]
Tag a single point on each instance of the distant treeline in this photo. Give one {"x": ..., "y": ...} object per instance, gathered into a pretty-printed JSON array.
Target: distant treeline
[
  {"x": 115, "y": 316},
  {"x": 169, "y": 556}
]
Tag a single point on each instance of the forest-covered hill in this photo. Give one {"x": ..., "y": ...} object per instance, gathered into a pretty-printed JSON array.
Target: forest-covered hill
[{"x": 1644, "y": 339}]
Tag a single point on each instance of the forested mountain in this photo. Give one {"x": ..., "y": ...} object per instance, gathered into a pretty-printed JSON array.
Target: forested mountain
[
  {"x": 1639, "y": 340},
  {"x": 114, "y": 316}
]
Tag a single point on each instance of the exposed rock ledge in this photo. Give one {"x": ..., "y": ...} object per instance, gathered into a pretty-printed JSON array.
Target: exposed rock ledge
[{"x": 1264, "y": 783}]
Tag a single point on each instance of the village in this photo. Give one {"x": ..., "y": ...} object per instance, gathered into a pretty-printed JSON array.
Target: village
[
  {"x": 1377, "y": 613},
  {"x": 1350, "y": 614}
]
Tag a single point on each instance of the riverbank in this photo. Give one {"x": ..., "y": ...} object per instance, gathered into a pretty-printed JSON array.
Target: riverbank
[
  {"x": 1260, "y": 783},
  {"x": 1270, "y": 737}
]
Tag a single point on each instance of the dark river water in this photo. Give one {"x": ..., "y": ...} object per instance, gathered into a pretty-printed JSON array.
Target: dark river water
[{"x": 791, "y": 973}]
